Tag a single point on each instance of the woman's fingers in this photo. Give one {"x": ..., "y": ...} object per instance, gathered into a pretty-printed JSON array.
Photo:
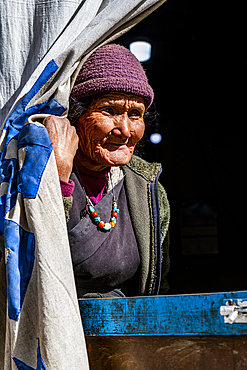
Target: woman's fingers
[{"x": 65, "y": 144}]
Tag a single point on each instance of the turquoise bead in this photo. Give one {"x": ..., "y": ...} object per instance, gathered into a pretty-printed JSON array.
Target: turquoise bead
[
  {"x": 96, "y": 220},
  {"x": 107, "y": 227},
  {"x": 115, "y": 210},
  {"x": 91, "y": 209}
]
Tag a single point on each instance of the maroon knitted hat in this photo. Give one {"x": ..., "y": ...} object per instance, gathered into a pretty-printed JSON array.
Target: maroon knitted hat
[{"x": 112, "y": 68}]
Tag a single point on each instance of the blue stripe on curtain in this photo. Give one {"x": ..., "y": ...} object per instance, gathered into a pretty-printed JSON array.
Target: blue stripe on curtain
[
  {"x": 19, "y": 266},
  {"x": 38, "y": 149}
]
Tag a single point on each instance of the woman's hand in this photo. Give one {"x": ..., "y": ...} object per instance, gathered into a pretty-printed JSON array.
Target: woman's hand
[{"x": 65, "y": 143}]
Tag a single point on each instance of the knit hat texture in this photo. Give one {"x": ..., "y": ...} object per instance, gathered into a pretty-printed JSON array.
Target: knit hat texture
[{"x": 112, "y": 68}]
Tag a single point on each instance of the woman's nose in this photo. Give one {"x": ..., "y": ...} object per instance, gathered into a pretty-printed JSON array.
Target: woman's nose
[{"x": 122, "y": 126}]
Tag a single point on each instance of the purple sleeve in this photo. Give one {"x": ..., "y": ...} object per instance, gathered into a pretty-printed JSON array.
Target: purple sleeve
[{"x": 67, "y": 188}]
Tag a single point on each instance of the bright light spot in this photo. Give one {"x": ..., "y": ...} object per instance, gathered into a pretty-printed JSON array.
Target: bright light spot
[
  {"x": 141, "y": 49},
  {"x": 155, "y": 138}
]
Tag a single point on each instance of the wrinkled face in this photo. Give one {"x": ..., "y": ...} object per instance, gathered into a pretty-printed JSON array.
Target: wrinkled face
[{"x": 109, "y": 130}]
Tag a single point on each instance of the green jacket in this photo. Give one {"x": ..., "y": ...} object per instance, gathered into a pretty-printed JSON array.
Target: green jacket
[{"x": 150, "y": 214}]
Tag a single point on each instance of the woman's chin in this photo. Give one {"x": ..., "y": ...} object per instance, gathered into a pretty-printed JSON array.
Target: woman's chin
[
  {"x": 119, "y": 157},
  {"x": 105, "y": 159},
  {"x": 117, "y": 160}
]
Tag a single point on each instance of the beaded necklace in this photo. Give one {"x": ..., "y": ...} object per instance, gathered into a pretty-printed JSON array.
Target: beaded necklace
[{"x": 104, "y": 226}]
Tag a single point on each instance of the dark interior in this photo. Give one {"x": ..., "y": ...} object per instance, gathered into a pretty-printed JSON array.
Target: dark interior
[{"x": 198, "y": 73}]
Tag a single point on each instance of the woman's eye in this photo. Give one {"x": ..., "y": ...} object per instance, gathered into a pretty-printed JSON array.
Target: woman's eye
[
  {"x": 135, "y": 113},
  {"x": 107, "y": 110}
]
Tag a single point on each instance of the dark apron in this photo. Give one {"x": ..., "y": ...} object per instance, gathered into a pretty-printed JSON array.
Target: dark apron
[{"x": 103, "y": 262}]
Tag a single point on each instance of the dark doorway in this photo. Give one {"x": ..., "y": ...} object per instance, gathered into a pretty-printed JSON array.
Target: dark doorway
[{"x": 198, "y": 73}]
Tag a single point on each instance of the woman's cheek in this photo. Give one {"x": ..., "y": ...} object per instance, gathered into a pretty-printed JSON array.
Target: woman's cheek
[
  {"x": 139, "y": 131},
  {"x": 103, "y": 127},
  {"x": 100, "y": 123}
]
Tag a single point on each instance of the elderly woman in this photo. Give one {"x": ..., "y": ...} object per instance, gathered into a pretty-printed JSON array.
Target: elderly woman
[{"x": 117, "y": 211}]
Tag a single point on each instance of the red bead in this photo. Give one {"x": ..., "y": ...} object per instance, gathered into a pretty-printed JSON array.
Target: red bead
[
  {"x": 112, "y": 224},
  {"x": 94, "y": 214},
  {"x": 115, "y": 214},
  {"x": 101, "y": 224}
]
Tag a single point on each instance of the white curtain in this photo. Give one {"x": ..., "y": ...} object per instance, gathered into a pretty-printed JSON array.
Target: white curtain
[{"x": 43, "y": 45}]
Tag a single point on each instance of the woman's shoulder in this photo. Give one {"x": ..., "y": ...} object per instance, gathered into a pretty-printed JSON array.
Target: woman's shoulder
[{"x": 148, "y": 170}]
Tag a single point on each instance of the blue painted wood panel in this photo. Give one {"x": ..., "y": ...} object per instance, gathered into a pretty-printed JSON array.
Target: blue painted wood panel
[{"x": 194, "y": 314}]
